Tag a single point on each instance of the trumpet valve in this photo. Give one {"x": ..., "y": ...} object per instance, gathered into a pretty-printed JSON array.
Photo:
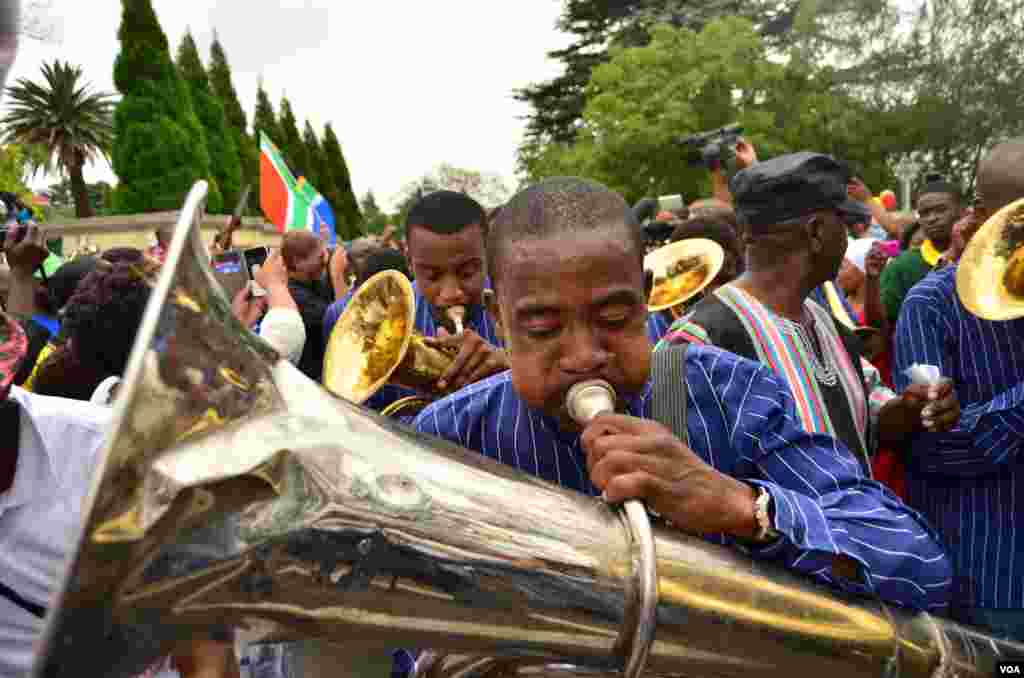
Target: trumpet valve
[
  {"x": 457, "y": 314},
  {"x": 588, "y": 399}
]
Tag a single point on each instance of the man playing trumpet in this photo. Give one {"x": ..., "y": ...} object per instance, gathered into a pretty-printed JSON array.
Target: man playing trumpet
[{"x": 445, "y": 238}]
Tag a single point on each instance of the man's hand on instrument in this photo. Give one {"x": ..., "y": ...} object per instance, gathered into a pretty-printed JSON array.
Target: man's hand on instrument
[
  {"x": 631, "y": 458},
  {"x": 476, "y": 358}
]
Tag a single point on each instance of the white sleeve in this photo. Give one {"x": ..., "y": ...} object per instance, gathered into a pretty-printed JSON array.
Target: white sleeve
[{"x": 283, "y": 329}]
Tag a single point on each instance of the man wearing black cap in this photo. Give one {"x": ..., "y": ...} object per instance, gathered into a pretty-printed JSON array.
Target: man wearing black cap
[
  {"x": 939, "y": 208},
  {"x": 791, "y": 214}
]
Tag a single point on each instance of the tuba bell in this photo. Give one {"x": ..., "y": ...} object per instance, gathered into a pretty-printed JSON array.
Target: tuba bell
[
  {"x": 235, "y": 493},
  {"x": 681, "y": 271},
  {"x": 374, "y": 343},
  {"x": 990, "y": 275}
]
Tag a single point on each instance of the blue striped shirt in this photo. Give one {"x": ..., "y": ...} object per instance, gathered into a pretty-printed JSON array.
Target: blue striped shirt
[
  {"x": 477, "y": 319},
  {"x": 657, "y": 326},
  {"x": 741, "y": 420},
  {"x": 970, "y": 481}
]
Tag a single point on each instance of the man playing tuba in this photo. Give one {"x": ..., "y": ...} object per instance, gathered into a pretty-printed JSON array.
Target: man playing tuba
[{"x": 566, "y": 258}]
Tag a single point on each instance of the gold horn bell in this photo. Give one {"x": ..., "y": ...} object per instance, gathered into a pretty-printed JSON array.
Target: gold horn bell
[
  {"x": 990, "y": 275},
  {"x": 374, "y": 344},
  {"x": 681, "y": 271},
  {"x": 233, "y": 493}
]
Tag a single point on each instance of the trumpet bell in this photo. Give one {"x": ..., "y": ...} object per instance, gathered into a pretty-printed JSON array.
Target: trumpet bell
[
  {"x": 990, "y": 275},
  {"x": 374, "y": 343},
  {"x": 682, "y": 270}
]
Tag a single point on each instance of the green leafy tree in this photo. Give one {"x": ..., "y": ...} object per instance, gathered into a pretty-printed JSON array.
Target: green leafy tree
[
  {"x": 16, "y": 167},
  {"x": 159, "y": 147},
  {"x": 295, "y": 153},
  {"x": 65, "y": 120},
  {"x": 225, "y": 160},
  {"x": 834, "y": 28},
  {"x": 223, "y": 85},
  {"x": 682, "y": 82},
  {"x": 962, "y": 71},
  {"x": 346, "y": 209}
]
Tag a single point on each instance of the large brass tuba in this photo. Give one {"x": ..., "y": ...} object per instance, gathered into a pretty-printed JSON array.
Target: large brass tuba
[
  {"x": 374, "y": 343},
  {"x": 681, "y": 271},
  {"x": 990, "y": 276},
  {"x": 233, "y": 492}
]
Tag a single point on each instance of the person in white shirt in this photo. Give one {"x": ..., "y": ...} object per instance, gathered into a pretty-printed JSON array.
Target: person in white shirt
[{"x": 49, "y": 448}]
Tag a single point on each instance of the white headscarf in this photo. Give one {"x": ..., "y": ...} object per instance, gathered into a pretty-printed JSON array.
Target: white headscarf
[{"x": 857, "y": 251}]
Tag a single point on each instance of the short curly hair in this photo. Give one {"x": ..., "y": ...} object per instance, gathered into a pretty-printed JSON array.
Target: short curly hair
[{"x": 98, "y": 331}]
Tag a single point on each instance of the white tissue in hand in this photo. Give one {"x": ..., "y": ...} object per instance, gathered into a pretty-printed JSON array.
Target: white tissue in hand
[{"x": 928, "y": 375}]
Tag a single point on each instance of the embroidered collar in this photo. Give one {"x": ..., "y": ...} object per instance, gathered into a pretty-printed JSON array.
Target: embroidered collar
[{"x": 929, "y": 253}]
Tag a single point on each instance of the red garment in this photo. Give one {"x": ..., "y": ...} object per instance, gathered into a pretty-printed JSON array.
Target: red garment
[{"x": 887, "y": 467}]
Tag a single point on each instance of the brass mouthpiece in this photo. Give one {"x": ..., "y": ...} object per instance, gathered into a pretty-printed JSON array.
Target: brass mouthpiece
[
  {"x": 588, "y": 399},
  {"x": 457, "y": 314}
]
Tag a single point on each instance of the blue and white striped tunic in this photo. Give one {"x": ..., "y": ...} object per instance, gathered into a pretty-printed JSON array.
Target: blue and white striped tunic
[
  {"x": 970, "y": 481},
  {"x": 741, "y": 420}
]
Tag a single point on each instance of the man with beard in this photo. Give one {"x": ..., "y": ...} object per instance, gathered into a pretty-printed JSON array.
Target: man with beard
[
  {"x": 970, "y": 481},
  {"x": 939, "y": 209},
  {"x": 445, "y": 239},
  {"x": 790, "y": 211}
]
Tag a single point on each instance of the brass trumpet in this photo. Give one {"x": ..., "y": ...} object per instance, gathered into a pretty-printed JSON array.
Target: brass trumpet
[
  {"x": 374, "y": 344},
  {"x": 681, "y": 271},
  {"x": 990, "y": 276}
]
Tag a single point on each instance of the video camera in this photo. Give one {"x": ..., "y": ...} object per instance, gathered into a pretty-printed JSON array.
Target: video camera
[{"x": 712, "y": 148}]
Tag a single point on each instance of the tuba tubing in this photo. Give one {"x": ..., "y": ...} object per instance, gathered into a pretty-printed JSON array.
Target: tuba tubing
[{"x": 235, "y": 493}]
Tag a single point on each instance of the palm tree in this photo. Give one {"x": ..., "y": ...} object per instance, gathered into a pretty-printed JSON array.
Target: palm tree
[{"x": 71, "y": 123}]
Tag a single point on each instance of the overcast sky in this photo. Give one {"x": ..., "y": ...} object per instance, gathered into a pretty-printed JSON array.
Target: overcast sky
[{"x": 406, "y": 84}]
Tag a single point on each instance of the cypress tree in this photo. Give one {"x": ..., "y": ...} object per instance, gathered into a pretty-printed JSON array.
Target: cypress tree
[
  {"x": 346, "y": 209},
  {"x": 291, "y": 142},
  {"x": 225, "y": 161},
  {"x": 265, "y": 120},
  {"x": 159, "y": 147},
  {"x": 316, "y": 174},
  {"x": 223, "y": 85}
]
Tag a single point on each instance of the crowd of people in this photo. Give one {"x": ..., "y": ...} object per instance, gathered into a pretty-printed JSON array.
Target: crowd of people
[{"x": 813, "y": 435}]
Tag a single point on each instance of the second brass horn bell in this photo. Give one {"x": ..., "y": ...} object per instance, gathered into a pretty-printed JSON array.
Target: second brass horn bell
[
  {"x": 681, "y": 271},
  {"x": 374, "y": 343},
  {"x": 990, "y": 275}
]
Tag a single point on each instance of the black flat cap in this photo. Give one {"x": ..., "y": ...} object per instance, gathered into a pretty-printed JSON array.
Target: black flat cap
[{"x": 789, "y": 187}]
